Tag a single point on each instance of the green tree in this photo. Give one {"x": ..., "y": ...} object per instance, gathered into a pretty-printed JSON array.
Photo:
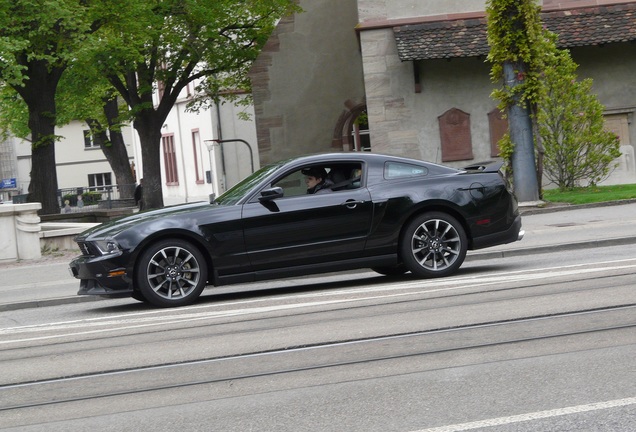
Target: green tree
[
  {"x": 570, "y": 118},
  {"x": 169, "y": 44},
  {"x": 37, "y": 41}
]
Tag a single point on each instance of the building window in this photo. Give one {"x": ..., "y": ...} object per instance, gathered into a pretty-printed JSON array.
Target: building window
[
  {"x": 88, "y": 139},
  {"x": 170, "y": 160},
  {"x": 360, "y": 133},
  {"x": 454, "y": 127},
  {"x": 161, "y": 84},
  {"x": 161, "y": 88},
  {"x": 197, "y": 151},
  {"x": 498, "y": 126},
  {"x": 99, "y": 181}
]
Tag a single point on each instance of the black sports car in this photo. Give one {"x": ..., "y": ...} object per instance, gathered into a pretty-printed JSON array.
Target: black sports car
[{"x": 386, "y": 213}]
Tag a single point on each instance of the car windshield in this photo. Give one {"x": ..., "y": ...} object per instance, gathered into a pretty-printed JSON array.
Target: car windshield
[{"x": 238, "y": 191}]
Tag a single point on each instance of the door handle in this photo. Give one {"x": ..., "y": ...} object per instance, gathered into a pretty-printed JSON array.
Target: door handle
[{"x": 351, "y": 204}]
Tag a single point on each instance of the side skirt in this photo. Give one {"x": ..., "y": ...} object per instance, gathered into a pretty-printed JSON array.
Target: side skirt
[{"x": 327, "y": 267}]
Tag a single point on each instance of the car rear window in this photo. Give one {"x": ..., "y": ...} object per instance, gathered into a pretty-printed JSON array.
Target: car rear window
[{"x": 393, "y": 170}]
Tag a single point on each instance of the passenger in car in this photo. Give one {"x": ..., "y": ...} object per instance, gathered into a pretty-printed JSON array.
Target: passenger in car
[
  {"x": 316, "y": 180},
  {"x": 356, "y": 178}
]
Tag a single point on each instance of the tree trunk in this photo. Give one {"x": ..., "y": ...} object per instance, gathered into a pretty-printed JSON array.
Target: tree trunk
[
  {"x": 114, "y": 149},
  {"x": 539, "y": 149},
  {"x": 520, "y": 126},
  {"x": 150, "y": 141},
  {"x": 39, "y": 94}
]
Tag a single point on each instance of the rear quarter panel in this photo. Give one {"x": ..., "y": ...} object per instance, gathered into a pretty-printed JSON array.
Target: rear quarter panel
[{"x": 479, "y": 201}]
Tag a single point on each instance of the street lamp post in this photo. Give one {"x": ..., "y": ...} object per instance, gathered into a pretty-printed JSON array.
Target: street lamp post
[
  {"x": 249, "y": 147},
  {"x": 211, "y": 147}
]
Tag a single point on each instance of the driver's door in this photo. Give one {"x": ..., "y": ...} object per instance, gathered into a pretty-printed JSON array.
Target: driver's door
[{"x": 307, "y": 229}]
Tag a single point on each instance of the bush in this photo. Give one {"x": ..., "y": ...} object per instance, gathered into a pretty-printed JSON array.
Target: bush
[{"x": 578, "y": 150}]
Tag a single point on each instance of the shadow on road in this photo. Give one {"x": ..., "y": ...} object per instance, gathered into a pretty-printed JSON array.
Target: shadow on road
[{"x": 256, "y": 291}]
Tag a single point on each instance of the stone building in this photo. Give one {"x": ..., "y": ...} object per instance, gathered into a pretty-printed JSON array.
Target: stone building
[{"x": 419, "y": 71}]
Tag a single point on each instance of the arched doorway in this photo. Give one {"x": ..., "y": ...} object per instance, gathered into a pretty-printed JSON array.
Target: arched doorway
[{"x": 352, "y": 129}]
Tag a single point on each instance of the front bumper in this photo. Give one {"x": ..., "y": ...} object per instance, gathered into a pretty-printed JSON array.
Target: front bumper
[{"x": 103, "y": 276}]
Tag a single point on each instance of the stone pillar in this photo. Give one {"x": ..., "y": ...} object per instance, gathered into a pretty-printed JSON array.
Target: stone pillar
[
  {"x": 27, "y": 231},
  {"x": 20, "y": 228},
  {"x": 8, "y": 243}
]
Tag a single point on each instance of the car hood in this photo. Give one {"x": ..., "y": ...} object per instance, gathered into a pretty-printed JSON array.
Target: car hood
[{"x": 114, "y": 227}]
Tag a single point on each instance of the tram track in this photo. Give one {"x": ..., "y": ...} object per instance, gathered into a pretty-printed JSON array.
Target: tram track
[
  {"x": 315, "y": 357},
  {"x": 357, "y": 303}
]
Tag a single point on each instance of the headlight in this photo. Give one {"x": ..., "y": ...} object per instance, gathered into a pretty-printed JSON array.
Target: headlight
[{"x": 107, "y": 246}]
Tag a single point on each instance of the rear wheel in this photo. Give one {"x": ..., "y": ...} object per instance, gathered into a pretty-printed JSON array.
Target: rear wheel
[
  {"x": 433, "y": 245},
  {"x": 171, "y": 273}
]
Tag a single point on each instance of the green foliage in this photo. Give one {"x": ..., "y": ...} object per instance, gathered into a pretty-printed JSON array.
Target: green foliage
[
  {"x": 210, "y": 44},
  {"x": 82, "y": 93},
  {"x": 506, "y": 148},
  {"x": 363, "y": 119},
  {"x": 99, "y": 48},
  {"x": 591, "y": 194},
  {"x": 570, "y": 118},
  {"x": 169, "y": 45},
  {"x": 515, "y": 36},
  {"x": 14, "y": 115},
  {"x": 40, "y": 31}
]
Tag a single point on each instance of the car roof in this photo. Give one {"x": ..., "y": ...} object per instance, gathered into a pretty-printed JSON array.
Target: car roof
[{"x": 360, "y": 156}]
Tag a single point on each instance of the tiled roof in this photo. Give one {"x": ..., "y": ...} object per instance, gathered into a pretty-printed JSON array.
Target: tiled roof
[{"x": 468, "y": 37}]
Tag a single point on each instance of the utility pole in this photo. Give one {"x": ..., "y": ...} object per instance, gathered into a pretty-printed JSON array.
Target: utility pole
[
  {"x": 514, "y": 36},
  {"x": 524, "y": 170}
]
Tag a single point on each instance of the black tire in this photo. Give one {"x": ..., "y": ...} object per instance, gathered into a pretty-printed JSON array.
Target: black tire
[
  {"x": 171, "y": 273},
  {"x": 433, "y": 244},
  {"x": 397, "y": 270},
  {"x": 138, "y": 296}
]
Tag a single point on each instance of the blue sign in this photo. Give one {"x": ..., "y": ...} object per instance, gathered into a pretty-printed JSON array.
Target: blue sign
[{"x": 8, "y": 184}]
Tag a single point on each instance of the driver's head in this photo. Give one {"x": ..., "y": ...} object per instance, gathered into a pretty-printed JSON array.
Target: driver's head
[{"x": 314, "y": 176}]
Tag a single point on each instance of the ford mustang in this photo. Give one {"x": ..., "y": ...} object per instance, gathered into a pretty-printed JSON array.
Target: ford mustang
[{"x": 393, "y": 215}]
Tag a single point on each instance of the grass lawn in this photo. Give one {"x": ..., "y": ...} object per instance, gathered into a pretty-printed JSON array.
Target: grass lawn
[{"x": 592, "y": 194}]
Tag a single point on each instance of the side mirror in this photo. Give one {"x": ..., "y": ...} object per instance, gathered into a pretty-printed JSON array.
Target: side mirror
[
  {"x": 212, "y": 198},
  {"x": 271, "y": 194}
]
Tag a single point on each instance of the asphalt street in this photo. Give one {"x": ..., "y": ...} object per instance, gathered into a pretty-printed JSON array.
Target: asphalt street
[{"x": 47, "y": 281}]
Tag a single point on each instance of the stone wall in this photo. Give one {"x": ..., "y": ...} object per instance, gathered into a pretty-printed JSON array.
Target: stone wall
[
  {"x": 405, "y": 99},
  {"x": 307, "y": 76},
  {"x": 378, "y": 10}
]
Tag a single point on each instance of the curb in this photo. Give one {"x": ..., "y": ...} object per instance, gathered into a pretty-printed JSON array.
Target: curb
[
  {"x": 533, "y": 209},
  {"x": 30, "y": 304},
  {"x": 617, "y": 241}
]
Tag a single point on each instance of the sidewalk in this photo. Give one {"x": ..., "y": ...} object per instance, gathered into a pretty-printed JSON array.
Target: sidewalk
[
  {"x": 47, "y": 281},
  {"x": 561, "y": 228}
]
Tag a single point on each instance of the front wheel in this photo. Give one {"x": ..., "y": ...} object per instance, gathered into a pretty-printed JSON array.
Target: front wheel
[
  {"x": 433, "y": 245},
  {"x": 171, "y": 273}
]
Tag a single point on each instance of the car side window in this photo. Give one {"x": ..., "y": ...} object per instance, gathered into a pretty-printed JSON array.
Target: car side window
[
  {"x": 292, "y": 184},
  {"x": 340, "y": 176},
  {"x": 394, "y": 170}
]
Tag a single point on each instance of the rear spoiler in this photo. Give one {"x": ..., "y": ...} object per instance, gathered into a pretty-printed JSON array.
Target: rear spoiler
[{"x": 488, "y": 166}]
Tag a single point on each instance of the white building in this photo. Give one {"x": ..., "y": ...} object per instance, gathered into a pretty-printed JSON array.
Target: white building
[
  {"x": 188, "y": 152},
  {"x": 186, "y": 172}
]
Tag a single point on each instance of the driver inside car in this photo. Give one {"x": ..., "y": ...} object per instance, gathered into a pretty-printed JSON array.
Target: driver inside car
[{"x": 316, "y": 180}]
